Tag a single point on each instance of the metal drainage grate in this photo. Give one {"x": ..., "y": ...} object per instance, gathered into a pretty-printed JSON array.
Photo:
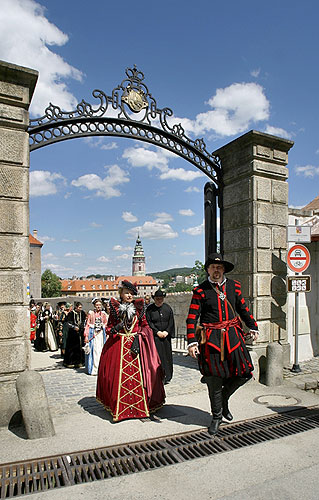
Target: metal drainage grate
[{"x": 42, "y": 474}]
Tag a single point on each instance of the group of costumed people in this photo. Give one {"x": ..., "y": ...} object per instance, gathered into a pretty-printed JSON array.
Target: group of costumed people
[{"x": 129, "y": 346}]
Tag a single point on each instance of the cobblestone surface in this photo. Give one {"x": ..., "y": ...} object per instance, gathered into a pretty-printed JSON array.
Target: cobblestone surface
[
  {"x": 307, "y": 379},
  {"x": 71, "y": 391}
]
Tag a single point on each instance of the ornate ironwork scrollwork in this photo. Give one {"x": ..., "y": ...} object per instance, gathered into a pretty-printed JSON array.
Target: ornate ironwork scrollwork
[{"x": 137, "y": 116}]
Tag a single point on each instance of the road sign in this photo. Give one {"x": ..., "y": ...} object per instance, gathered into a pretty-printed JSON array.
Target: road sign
[
  {"x": 298, "y": 258},
  {"x": 301, "y": 234},
  {"x": 299, "y": 283}
]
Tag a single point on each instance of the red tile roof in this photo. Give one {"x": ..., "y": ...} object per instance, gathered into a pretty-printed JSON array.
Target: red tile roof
[
  {"x": 34, "y": 241},
  {"x": 313, "y": 205},
  {"x": 101, "y": 285}
]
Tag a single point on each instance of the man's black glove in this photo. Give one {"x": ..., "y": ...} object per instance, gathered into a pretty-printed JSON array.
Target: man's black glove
[{"x": 117, "y": 328}]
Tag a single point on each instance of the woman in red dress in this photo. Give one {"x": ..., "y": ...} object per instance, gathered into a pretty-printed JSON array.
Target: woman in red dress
[{"x": 130, "y": 377}]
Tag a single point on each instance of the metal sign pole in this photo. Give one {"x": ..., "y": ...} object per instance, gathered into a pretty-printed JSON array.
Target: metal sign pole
[{"x": 296, "y": 368}]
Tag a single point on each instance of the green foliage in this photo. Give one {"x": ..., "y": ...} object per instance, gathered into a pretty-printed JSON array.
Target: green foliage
[
  {"x": 199, "y": 270},
  {"x": 171, "y": 273},
  {"x": 50, "y": 284},
  {"x": 182, "y": 287}
]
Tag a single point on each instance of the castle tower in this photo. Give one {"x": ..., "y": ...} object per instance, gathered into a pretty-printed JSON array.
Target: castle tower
[{"x": 138, "y": 259}]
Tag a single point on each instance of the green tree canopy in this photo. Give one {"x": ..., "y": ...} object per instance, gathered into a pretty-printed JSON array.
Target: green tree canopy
[
  {"x": 50, "y": 284},
  {"x": 199, "y": 270}
]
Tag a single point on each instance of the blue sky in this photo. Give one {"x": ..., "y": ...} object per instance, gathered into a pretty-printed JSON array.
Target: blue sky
[{"x": 223, "y": 67}]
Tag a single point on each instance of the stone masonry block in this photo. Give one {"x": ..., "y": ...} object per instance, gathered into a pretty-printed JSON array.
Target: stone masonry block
[
  {"x": 14, "y": 252},
  {"x": 263, "y": 308},
  {"x": 236, "y": 193},
  {"x": 264, "y": 331},
  {"x": 280, "y": 155},
  {"x": 280, "y": 192},
  {"x": 13, "y": 357},
  {"x": 241, "y": 260},
  {"x": 263, "y": 151},
  {"x": 264, "y": 260},
  {"x": 14, "y": 182},
  {"x": 14, "y": 217},
  {"x": 264, "y": 189},
  {"x": 238, "y": 238},
  {"x": 271, "y": 214},
  {"x": 263, "y": 284},
  {"x": 279, "y": 237},
  {"x": 13, "y": 92},
  {"x": 12, "y": 288},
  {"x": 9, "y": 403},
  {"x": 14, "y": 147},
  {"x": 237, "y": 215},
  {"x": 14, "y": 322},
  {"x": 269, "y": 169},
  {"x": 13, "y": 116},
  {"x": 263, "y": 237}
]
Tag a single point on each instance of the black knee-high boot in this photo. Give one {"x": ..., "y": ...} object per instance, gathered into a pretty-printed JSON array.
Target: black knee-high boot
[
  {"x": 230, "y": 386},
  {"x": 214, "y": 385}
]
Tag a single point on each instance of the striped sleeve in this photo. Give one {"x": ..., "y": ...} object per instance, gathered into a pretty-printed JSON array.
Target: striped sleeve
[
  {"x": 243, "y": 310},
  {"x": 193, "y": 314}
]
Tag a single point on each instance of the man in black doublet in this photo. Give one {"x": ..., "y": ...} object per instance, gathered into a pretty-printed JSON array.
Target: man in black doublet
[
  {"x": 161, "y": 320},
  {"x": 218, "y": 341},
  {"x": 74, "y": 338}
]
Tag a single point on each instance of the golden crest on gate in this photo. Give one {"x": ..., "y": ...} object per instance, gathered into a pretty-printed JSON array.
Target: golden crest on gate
[{"x": 135, "y": 99}]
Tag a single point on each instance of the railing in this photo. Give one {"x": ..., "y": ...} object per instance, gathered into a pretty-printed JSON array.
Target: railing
[{"x": 179, "y": 343}]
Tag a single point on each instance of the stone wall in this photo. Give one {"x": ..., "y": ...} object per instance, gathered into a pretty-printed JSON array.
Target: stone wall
[
  {"x": 255, "y": 217},
  {"x": 16, "y": 89}
]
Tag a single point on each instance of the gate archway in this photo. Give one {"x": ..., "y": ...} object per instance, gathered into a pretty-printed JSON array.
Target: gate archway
[{"x": 130, "y": 111}]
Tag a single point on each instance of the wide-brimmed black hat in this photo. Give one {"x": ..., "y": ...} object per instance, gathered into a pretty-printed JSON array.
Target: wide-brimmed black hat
[
  {"x": 159, "y": 293},
  {"x": 216, "y": 258},
  {"x": 127, "y": 284}
]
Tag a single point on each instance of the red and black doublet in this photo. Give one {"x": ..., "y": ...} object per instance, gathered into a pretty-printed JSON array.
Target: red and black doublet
[
  {"x": 224, "y": 354},
  {"x": 130, "y": 384}
]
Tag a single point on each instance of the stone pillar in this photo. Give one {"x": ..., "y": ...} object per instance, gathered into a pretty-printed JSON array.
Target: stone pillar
[
  {"x": 255, "y": 217},
  {"x": 16, "y": 89}
]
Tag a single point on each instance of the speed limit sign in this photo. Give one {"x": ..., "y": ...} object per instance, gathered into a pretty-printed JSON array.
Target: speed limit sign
[{"x": 298, "y": 258}]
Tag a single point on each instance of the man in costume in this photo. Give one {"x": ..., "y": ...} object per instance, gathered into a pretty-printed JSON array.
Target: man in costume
[
  {"x": 218, "y": 341},
  {"x": 74, "y": 338},
  {"x": 129, "y": 381},
  {"x": 160, "y": 317}
]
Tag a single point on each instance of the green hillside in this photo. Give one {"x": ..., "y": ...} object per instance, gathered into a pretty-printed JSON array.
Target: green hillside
[{"x": 169, "y": 273}]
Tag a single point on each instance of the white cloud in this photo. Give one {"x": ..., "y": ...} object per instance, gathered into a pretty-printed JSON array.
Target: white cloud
[
  {"x": 192, "y": 189},
  {"x": 95, "y": 224},
  {"x": 108, "y": 147},
  {"x": 43, "y": 239},
  {"x": 119, "y": 248},
  {"x": 181, "y": 174},
  {"x": 124, "y": 256},
  {"x": 129, "y": 217},
  {"x": 188, "y": 253},
  {"x": 100, "y": 142},
  {"x": 58, "y": 267},
  {"x": 162, "y": 217},
  {"x": 307, "y": 170},
  {"x": 277, "y": 131},
  {"x": 153, "y": 231},
  {"x": 25, "y": 38},
  {"x": 255, "y": 73},
  {"x": 143, "y": 157},
  {"x": 194, "y": 231},
  {"x": 187, "y": 212},
  {"x": 103, "y": 187},
  {"x": 65, "y": 240},
  {"x": 234, "y": 110},
  {"x": 103, "y": 259},
  {"x": 73, "y": 254},
  {"x": 44, "y": 183},
  {"x": 49, "y": 255}
]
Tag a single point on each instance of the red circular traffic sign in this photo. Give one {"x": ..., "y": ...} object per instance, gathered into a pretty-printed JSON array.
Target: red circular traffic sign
[{"x": 298, "y": 258}]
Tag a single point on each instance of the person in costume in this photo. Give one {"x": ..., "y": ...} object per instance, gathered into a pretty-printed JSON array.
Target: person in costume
[
  {"x": 94, "y": 337},
  {"x": 130, "y": 376},
  {"x": 218, "y": 342},
  {"x": 160, "y": 318},
  {"x": 74, "y": 338},
  {"x": 60, "y": 318},
  {"x": 45, "y": 339}
]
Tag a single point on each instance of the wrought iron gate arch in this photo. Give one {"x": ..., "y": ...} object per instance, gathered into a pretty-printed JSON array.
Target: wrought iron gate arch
[{"x": 150, "y": 124}]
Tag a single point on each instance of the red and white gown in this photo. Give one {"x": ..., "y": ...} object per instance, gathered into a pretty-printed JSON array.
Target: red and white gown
[{"x": 129, "y": 385}]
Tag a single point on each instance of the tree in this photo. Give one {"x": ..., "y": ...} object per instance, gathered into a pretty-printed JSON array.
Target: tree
[
  {"x": 199, "y": 270},
  {"x": 50, "y": 284}
]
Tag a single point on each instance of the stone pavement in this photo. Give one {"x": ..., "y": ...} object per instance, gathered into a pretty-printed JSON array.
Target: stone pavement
[{"x": 307, "y": 379}]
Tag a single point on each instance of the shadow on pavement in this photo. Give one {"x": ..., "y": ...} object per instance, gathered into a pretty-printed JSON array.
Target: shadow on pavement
[{"x": 186, "y": 361}]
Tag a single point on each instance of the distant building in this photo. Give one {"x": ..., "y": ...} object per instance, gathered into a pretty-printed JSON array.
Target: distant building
[
  {"x": 35, "y": 265},
  {"x": 146, "y": 285},
  {"x": 138, "y": 259}
]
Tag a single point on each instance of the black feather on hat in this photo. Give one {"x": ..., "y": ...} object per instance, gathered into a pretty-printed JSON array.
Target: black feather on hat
[
  {"x": 129, "y": 286},
  {"x": 216, "y": 258},
  {"x": 159, "y": 293}
]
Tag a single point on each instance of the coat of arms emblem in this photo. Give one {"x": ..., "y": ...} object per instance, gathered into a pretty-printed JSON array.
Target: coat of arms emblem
[{"x": 135, "y": 99}]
